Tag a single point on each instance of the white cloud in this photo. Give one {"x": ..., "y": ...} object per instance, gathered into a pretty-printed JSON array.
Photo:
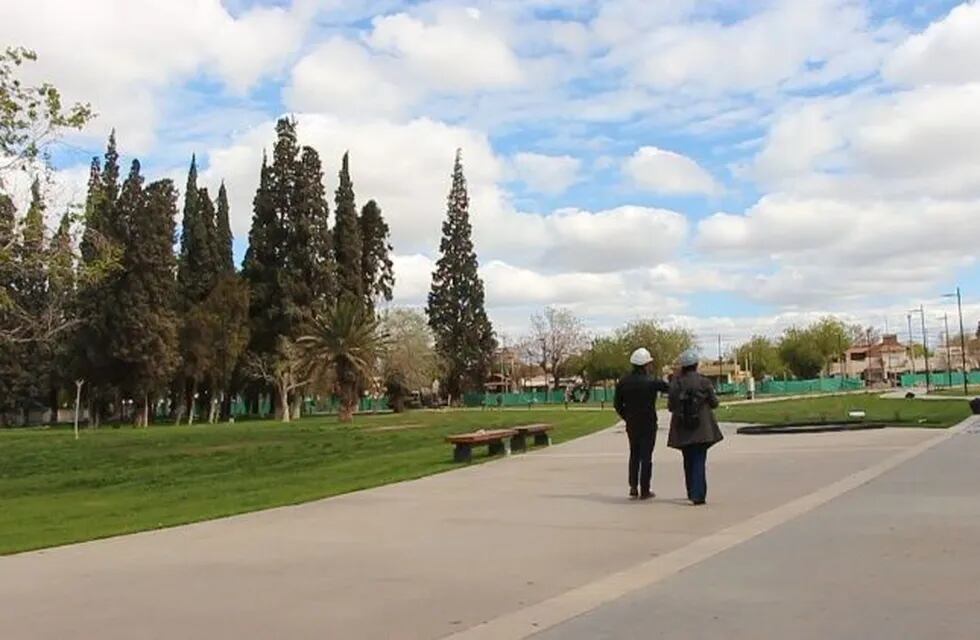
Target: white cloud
[
  {"x": 794, "y": 41},
  {"x": 456, "y": 52},
  {"x": 662, "y": 171},
  {"x": 340, "y": 77},
  {"x": 547, "y": 174},
  {"x": 121, "y": 55},
  {"x": 946, "y": 52}
]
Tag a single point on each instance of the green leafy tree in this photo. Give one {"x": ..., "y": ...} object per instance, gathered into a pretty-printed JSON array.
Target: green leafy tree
[
  {"x": 605, "y": 360},
  {"x": 346, "y": 342},
  {"x": 376, "y": 266},
  {"x": 348, "y": 245},
  {"x": 145, "y": 324},
  {"x": 801, "y": 353},
  {"x": 762, "y": 354},
  {"x": 31, "y": 117},
  {"x": 665, "y": 344},
  {"x": 464, "y": 335},
  {"x": 410, "y": 362}
]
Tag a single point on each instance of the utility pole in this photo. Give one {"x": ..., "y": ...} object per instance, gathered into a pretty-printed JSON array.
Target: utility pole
[
  {"x": 949, "y": 357},
  {"x": 908, "y": 316},
  {"x": 925, "y": 342},
  {"x": 959, "y": 307},
  {"x": 720, "y": 372}
]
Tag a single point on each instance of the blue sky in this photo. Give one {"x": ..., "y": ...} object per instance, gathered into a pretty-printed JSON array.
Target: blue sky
[{"x": 731, "y": 167}]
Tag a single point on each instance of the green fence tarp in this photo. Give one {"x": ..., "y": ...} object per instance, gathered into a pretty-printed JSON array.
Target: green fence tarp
[{"x": 940, "y": 379}]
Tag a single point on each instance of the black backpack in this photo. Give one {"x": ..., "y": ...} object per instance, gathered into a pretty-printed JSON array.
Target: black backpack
[{"x": 691, "y": 401}]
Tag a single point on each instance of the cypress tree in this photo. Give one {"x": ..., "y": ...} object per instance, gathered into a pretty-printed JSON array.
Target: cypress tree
[
  {"x": 146, "y": 323},
  {"x": 32, "y": 271},
  {"x": 261, "y": 264},
  {"x": 347, "y": 237},
  {"x": 377, "y": 270},
  {"x": 8, "y": 361},
  {"x": 308, "y": 272},
  {"x": 210, "y": 255},
  {"x": 223, "y": 241},
  {"x": 464, "y": 335},
  {"x": 101, "y": 247},
  {"x": 61, "y": 295},
  {"x": 193, "y": 266}
]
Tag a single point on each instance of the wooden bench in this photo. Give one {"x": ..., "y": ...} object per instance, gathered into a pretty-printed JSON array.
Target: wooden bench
[
  {"x": 539, "y": 431},
  {"x": 498, "y": 442}
]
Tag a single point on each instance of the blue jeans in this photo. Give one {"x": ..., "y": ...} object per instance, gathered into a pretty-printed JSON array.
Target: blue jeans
[{"x": 695, "y": 457}]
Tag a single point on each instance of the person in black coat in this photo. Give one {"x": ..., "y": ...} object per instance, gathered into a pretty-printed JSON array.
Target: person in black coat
[
  {"x": 693, "y": 426},
  {"x": 636, "y": 403}
]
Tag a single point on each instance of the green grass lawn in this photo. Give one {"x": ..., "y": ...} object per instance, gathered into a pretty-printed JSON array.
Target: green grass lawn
[
  {"x": 54, "y": 490},
  {"x": 926, "y": 413},
  {"x": 972, "y": 390}
]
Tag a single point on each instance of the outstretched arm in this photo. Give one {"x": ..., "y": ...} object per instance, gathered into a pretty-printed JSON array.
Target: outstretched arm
[{"x": 618, "y": 400}]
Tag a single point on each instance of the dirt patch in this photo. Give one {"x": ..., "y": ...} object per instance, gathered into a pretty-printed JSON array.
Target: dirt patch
[{"x": 397, "y": 427}]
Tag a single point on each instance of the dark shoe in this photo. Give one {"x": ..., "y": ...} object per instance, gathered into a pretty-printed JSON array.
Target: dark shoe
[
  {"x": 646, "y": 495},
  {"x": 697, "y": 502},
  {"x": 634, "y": 493}
]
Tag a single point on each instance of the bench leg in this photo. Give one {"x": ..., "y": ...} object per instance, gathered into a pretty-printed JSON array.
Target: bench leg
[
  {"x": 542, "y": 440},
  {"x": 463, "y": 453},
  {"x": 518, "y": 443},
  {"x": 500, "y": 447}
]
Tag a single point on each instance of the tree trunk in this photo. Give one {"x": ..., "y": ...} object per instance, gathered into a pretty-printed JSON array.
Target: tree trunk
[
  {"x": 53, "y": 403},
  {"x": 146, "y": 410},
  {"x": 283, "y": 400},
  {"x": 193, "y": 403},
  {"x": 296, "y": 407},
  {"x": 78, "y": 402},
  {"x": 348, "y": 403},
  {"x": 215, "y": 404}
]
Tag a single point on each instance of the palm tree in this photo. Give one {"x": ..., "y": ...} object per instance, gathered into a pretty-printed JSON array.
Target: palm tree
[{"x": 345, "y": 340}]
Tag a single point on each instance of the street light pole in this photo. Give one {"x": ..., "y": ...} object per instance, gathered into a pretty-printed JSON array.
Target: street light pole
[
  {"x": 959, "y": 306},
  {"x": 908, "y": 316},
  {"x": 949, "y": 357},
  {"x": 925, "y": 343}
]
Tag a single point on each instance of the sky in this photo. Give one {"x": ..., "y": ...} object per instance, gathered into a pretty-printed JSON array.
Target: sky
[{"x": 731, "y": 167}]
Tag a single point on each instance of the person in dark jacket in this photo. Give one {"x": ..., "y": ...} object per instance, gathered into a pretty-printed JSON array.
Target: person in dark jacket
[
  {"x": 636, "y": 403},
  {"x": 693, "y": 427}
]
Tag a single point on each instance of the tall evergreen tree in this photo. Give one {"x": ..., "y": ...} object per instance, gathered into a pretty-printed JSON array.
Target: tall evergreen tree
[
  {"x": 31, "y": 292},
  {"x": 223, "y": 241},
  {"x": 61, "y": 295},
  {"x": 377, "y": 270},
  {"x": 193, "y": 267},
  {"x": 99, "y": 272},
  {"x": 347, "y": 242},
  {"x": 8, "y": 361},
  {"x": 307, "y": 273},
  {"x": 261, "y": 266},
  {"x": 211, "y": 255},
  {"x": 32, "y": 268},
  {"x": 464, "y": 335},
  {"x": 146, "y": 324}
]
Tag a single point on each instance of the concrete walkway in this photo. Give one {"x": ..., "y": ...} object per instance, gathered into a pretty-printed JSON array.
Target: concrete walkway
[
  {"x": 429, "y": 558},
  {"x": 896, "y": 558}
]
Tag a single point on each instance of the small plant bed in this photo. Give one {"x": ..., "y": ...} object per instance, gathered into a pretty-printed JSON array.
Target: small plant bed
[{"x": 811, "y": 427}]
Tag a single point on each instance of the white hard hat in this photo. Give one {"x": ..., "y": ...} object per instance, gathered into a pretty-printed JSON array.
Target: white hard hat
[
  {"x": 689, "y": 358},
  {"x": 641, "y": 357}
]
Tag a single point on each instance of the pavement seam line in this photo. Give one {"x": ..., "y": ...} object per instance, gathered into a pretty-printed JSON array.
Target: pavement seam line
[{"x": 536, "y": 618}]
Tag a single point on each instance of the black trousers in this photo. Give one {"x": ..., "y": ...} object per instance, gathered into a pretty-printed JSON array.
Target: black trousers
[
  {"x": 641, "y": 457},
  {"x": 695, "y": 457}
]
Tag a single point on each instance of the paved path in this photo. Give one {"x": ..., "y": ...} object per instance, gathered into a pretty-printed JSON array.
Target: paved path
[
  {"x": 896, "y": 558},
  {"x": 422, "y": 559}
]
